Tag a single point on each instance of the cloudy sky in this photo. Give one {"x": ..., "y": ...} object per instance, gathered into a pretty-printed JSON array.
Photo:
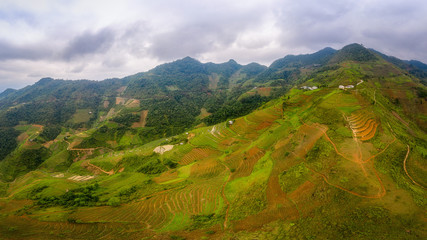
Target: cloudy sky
[{"x": 92, "y": 39}]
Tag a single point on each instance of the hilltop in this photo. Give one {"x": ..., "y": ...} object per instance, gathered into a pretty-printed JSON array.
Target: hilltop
[{"x": 192, "y": 150}]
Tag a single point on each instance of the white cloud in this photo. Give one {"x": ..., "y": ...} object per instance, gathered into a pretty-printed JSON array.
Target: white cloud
[{"x": 103, "y": 39}]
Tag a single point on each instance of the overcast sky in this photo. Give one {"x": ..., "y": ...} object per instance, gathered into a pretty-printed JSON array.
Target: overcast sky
[{"x": 91, "y": 39}]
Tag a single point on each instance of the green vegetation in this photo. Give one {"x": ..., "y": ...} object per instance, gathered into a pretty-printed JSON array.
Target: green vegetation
[
  {"x": 235, "y": 109},
  {"x": 79, "y": 197},
  {"x": 292, "y": 164},
  {"x": 50, "y": 132},
  {"x": 7, "y": 141},
  {"x": 204, "y": 221},
  {"x": 126, "y": 119},
  {"x": 292, "y": 178}
]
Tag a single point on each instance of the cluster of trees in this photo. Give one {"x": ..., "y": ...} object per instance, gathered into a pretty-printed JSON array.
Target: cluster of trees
[
  {"x": 50, "y": 132},
  {"x": 21, "y": 162},
  {"x": 151, "y": 164},
  {"x": 103, "y": 134},
  {"x": 7, "y": 141},
  {"x": 126, "y": 119},
  {"x": 236, "y": 109},
  {"x": 79, "y": 197},
  {"x": 32, "y": 158}
]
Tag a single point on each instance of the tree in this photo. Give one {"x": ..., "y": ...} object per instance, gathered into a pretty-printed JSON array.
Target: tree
[{"x": 114, "y": 202}]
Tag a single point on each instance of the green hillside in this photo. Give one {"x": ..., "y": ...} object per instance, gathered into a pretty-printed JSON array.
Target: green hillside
[{"x": 266, "y": 158}]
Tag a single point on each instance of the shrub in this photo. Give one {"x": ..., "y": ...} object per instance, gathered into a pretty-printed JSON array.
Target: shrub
[{"x": 114, "y": 202}]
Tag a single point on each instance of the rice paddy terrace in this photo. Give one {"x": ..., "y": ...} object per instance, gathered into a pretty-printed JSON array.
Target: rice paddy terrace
[{"x": 325, "y": 163}]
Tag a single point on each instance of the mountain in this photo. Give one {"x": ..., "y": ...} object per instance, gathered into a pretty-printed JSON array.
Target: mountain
[
  {"x": 416, "y": 68},
  {"x": 7, "y": 92},
  {"x": 329, "y": 145}
]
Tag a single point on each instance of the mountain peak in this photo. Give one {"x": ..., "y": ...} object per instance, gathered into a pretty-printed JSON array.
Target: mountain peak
[
  {"x": 44, "y": 81},
  {"x": 187, "y": 65},
  {"x": 354, "y": 52},
  {"x": 188, "y": 58}
]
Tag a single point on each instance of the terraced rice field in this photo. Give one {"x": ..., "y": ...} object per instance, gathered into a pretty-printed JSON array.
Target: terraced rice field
[
  {"x": 157, "y": 210},
  {"x": 66, "y": 230},
  {"x": 247, "y": 162},
  {"x": 242, "y": 127},
  {"x": 197, "y": 154},
  {"x": 207, "y": 168},
  {"x": 363, "y": 125}
]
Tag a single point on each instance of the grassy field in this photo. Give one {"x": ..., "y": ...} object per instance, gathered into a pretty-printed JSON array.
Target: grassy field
[{"x": 81, "y": 115}]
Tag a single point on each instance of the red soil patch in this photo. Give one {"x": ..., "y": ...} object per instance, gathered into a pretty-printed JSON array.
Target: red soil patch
[
  {"x": 370, "y": 134},
  {"x": 360, "y": 122},
  {"x": 362, "y": 128},
  {"x": 263, "y": 125}
]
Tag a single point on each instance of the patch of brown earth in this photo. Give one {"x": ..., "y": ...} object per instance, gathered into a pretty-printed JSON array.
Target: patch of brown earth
[
  {"x": 142, "y": 120},
  {"x": 133, "y": 103},
  {"x": 22, "y": 137},
  {"x": 191, "y": 135},
  {"x": 263, "y": 125},
  {"x": 120, "y": 101},
  {"x": 166, "y": 176},
  {"x": 247, "y": 164}
]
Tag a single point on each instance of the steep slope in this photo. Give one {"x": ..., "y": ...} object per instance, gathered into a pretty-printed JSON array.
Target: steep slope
[
  {"x": 332, "y": 163},
  {"x": 415, "y": 68},
  {"x": 288, "y": 68}
]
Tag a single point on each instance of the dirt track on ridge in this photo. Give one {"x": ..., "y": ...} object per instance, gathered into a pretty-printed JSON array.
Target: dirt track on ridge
[{"x": 404, "y": 167}]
